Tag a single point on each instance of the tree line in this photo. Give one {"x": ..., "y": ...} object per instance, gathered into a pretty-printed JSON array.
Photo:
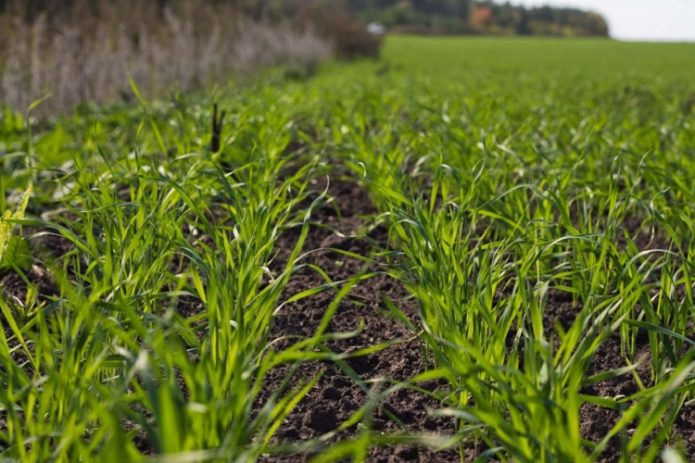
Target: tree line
[{"x": 423, "y": 16}]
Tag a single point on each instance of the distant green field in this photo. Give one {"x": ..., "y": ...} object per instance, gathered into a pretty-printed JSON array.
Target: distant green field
[
  {"x": 537, "y": 208},
  {"x": 591, "y": 58}
]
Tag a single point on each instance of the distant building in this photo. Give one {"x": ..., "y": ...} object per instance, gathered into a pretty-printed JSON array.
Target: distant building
[{"x": 376, "y": 28}]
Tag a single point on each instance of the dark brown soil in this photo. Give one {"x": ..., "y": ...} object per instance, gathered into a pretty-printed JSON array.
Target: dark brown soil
[
  {"x": 45, "y": 246},
  {"x": 339, "y": 226},
  {"x": 597, "y": 421},
  {"x": 337, "y": 396},
  {"x": 14, "y": 285}
]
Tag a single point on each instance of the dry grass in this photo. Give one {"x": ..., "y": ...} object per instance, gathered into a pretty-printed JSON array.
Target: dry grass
[{"x": 87, "y": 56}]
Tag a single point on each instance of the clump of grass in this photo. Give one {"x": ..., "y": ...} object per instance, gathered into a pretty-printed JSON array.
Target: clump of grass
[
  {"x": 8, "y": 222},
  {"x": 157, "y": 338}
]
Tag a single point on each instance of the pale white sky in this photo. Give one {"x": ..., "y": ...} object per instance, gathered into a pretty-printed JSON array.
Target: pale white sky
[{"x": 638, "y": 19}]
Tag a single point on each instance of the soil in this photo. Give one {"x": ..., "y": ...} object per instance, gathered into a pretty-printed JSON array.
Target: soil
[
  {"x": 341, "y": 226},
  {"x": 336, "y": 396},
  {"x": 345, "y": 225},
  {"x": 597, "y": 421}
]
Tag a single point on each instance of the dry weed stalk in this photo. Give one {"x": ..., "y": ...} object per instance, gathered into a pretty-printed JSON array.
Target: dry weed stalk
[{"x": 88, "y": 56}]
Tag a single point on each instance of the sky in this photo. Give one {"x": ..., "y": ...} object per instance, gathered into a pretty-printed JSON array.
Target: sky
[{"x": 670, "y": 20}]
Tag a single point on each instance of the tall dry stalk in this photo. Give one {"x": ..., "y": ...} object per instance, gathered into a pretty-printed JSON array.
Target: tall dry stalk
[{"x": 89, "y": 55}]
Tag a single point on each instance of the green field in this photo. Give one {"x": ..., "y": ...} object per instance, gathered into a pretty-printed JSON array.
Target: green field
[{"x": 536, "y": 202}]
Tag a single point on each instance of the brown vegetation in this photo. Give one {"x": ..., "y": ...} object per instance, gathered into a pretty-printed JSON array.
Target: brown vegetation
[{"x": 87, "y": 53}]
